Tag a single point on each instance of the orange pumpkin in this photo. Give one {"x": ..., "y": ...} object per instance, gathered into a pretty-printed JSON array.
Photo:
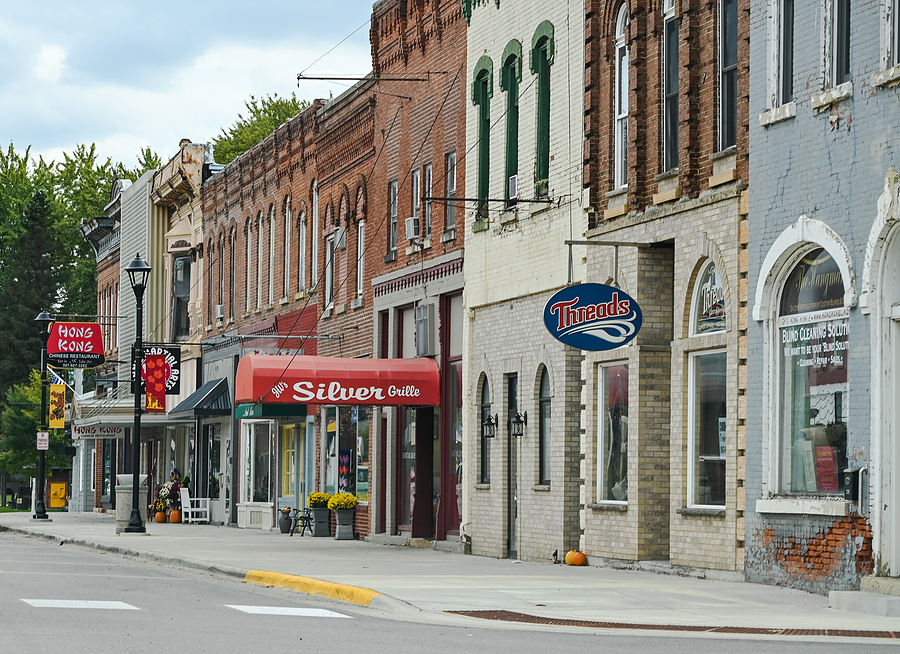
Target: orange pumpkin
[
  {"x": 570, "y": 557},
  {"x": 160, "y": 516},
  {"x": 579, "y": 559}
]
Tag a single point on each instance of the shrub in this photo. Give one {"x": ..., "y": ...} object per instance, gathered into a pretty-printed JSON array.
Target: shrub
[
  {"x": 342, "y": 501},
  {"x": 318, "y": 500}
]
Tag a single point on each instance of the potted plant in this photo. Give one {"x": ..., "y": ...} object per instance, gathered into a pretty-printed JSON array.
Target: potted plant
[
  {"x": 318, "y": 502},
  {"x": 160, "y": 508},
  {"x": 284, "y": 519},
  {"x": 344, "y": 507},
  {"x": 170, "y": 495}
]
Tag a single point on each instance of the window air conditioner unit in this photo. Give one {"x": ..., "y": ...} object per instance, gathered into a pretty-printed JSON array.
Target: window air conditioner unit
[
  {"x": 425, "y": 330},
  {"x": 513, "y": 187},
  {"x": 220, "y": 312},
  {"x": 412, "y": 228}
]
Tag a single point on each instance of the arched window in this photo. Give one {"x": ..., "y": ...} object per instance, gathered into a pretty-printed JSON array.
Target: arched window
[
  {"x": 301, "y": 249},
  {"x": 812, "y": 346},
  {"x": 621, "y": 99},
  {"x": 259, "y": 258},
  {"x": 485, "y": 412},
  {"x": 510, "y": 76},
  {"x": 542, "y": 47},
  {"x": 544, "y": 429},
  {"x": 482, "y": 90},
  {"x": 707, "y": 393},
  {"x": 221, "y": 280},
  {"x": 211, "y": 282},
  {"x": 360, "y": 241},
  {"x": 287, "y": 248},
  {"x": 314, "y": 254},
  {"x": 232, "y": 264},
  {"x": 272, "y": 257},
  {"x": 249, "y": 267}
]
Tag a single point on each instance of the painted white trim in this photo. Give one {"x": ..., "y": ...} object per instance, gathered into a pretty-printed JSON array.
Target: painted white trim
[
  {"x": 803, "y": 506},
  {"x": 805, "y": 231}
]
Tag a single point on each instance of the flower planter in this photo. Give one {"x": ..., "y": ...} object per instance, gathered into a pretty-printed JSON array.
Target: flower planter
[
  {"x": 284, "y": 522},
  {"x": 345, "y": 521},
  {"x": 321, "y": 521}
]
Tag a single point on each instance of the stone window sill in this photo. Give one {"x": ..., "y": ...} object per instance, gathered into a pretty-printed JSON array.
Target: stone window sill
[
  {"x": 804, "y": 506},
  {"x": 822, "y": 101},
  {"x": 778, "y": 114},
  {"x": 701, "y": 511},
  {"x": 886, "y": 78},
  {"x": 609, "y": 506},
  {"x": 482, "y": 487},
  {"x": 544, "y": 488}
]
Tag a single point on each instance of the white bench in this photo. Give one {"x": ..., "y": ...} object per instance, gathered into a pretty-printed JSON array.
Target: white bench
[{"x": 193, "y": 510}]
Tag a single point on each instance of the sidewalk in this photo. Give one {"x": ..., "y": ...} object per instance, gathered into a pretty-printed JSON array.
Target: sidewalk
[{"x": 434, "y": 581}]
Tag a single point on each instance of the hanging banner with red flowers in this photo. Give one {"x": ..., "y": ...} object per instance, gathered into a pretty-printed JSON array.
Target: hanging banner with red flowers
[
  {"x": 57, "y": 406},
  {"x": 156, "y": 372}
]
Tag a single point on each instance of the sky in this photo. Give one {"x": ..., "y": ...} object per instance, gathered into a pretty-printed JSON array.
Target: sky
[{"x": 126, "y": 75}]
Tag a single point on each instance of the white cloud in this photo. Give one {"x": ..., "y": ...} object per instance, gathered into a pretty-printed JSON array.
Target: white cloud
[{"x": 50, "y": 63}]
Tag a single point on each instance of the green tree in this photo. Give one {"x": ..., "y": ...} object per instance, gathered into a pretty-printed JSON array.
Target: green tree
[
  {"x": 263, "y": 117},
  {"x": 30, "y": 275},
  {"x": 147, "y": 160},
  {"x": 18, "y": 439}
]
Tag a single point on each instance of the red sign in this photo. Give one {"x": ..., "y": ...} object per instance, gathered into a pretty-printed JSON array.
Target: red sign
[
  {"x": 274, "y": 379},
  {"x": 75, "y": 345},
  {"x": 155, "y": 373}
]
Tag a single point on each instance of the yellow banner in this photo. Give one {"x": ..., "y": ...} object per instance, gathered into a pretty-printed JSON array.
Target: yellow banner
[{"x": 57, "y": 406}]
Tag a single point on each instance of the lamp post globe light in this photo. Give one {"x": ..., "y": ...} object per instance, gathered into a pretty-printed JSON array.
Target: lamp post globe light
[
  {"x": 44, "y": 320},
  {"x": 138, "y": 274}
]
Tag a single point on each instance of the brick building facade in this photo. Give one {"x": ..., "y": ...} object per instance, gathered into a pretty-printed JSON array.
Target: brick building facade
[
  {"x": 823, "y": 360},
  {"x": 666, "y": 169}
]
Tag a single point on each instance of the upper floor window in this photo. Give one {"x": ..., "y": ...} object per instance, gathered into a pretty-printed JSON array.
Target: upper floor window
[
  {"x": 360, "y": 254},
  {"x": 621, "y": 100},
  {"x": 392, "y": 198},
  {"x": 785, "y": 54},
  {"x": 301, "y": 253},
  {"x": 893, "y": 45},
  {"x": 329, "y": 271},
  {"x": 728, "y": 46},
  {"x": 248, "y": 267},
  {"x": 287, "y": 248},
  {"x": 427, "y": 175},
  {"x": 210, "y": 281},
  {"x": 272, "y": 257},
  {"x": 541, "y": 59},
  {"x": 260, "y": 223},
  {"x": 314, "y": 254},
  {"x": 416, "y": 202},
  {"x": 670, "y": 89},
  {"x": 181, "y": 297},
  {"x": 232, "y": 266},
  {"x": 510, "y": 77},
  {"x": 482, "y": 90},
  {"x": 450, "y": 181},
  {"x": 837, "y": 42}
]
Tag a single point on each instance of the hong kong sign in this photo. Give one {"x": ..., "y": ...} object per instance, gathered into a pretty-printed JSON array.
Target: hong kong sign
[
  {"x": 593, "y": 317},
  {"x": 75, "y": 345}
]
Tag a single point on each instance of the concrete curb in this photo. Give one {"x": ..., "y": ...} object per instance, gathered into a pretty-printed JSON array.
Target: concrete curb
[{"x": 343, "y": 592}]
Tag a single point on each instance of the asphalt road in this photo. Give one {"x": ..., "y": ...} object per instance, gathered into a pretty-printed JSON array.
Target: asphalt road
[{"x": 61, "y": 598}]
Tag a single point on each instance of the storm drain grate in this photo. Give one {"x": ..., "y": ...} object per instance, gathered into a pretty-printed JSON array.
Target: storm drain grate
[{"x": 512, "y": 616}]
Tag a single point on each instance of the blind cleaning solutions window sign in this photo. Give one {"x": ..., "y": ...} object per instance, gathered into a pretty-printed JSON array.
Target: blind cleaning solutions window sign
[{"x": 593, "y": 317}]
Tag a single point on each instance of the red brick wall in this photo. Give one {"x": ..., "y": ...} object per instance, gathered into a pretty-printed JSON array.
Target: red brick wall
[{"x": 698, "y": 97}]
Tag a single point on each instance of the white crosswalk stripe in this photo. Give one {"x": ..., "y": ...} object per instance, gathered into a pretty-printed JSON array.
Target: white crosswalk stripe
[
  {"x": 287, "y": 610},
  {"x": 79, "y": 604}
]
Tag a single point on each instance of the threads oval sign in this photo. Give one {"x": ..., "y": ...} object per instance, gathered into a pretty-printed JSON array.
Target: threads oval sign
[{"x": 593, "y": 317}]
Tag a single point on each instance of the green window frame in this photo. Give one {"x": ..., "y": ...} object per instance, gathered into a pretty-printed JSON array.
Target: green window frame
[
  {"x": 510, "y": 78},
  {"x": 482, "y": 91},
  {"x": 542, "y": 48}
]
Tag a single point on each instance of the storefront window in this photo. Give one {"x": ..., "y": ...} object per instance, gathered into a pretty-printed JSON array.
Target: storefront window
[
  {"x": 813, "y": 330},
  {"x": 363, "y": 473},
  {"x": 707, "y": 425},
  {"x": 258, "y": 475},
  {"x": 288, "y": 462},
  {"x": 612, "y": 441},
  {"x": 407, "y": 483},
  {"x": 485, "y": 476}
]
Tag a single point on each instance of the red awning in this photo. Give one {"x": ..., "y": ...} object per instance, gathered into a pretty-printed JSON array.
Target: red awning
[{"x": 282, "y": 379}]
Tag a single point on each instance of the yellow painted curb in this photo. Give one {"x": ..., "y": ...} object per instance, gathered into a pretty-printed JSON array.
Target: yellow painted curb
[{"x": 353, "y": 594}]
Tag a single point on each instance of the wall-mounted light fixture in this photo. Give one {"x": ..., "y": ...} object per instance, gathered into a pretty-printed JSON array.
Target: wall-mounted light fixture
[
  {"x": 518, "y": 423},
  {"x": 489, "y": 427}
]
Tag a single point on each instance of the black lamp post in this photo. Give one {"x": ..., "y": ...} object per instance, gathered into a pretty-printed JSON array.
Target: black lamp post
[
  {"x": 138, "y": 274},
  {"x": 44, "y": 320}
]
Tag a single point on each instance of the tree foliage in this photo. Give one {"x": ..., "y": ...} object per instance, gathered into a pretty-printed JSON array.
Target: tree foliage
[
  {"x": 264, "y": 115},
  {"x": 18, "y": 438}
]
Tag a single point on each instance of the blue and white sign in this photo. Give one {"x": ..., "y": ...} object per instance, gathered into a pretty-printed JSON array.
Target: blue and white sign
[{"x": 593, "y": 317}]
